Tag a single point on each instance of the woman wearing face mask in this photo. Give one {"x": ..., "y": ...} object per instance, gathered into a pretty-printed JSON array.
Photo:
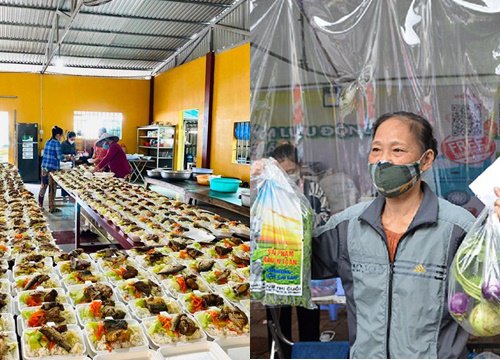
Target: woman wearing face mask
[
  {"x": 308, "y": 320},
  {"x": 68, "y": 146},
  {"x": 394, "y": 253}
]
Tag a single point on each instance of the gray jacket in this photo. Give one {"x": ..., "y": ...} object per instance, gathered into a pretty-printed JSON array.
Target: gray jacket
[{"x": 399, "y": 309}]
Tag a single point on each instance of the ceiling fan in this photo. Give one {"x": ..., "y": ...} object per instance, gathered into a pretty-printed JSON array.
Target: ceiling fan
[{"x": 95, "y": 2}]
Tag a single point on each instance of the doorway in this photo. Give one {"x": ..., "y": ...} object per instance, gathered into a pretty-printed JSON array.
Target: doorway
[
  {"x": 189, "y": 138},
  {"x": 4, "y": 136}
]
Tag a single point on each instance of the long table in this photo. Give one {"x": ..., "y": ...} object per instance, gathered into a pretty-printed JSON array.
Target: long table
[
  {"x": 190, "y": 190},
  {"x": 123, "y": 240}
]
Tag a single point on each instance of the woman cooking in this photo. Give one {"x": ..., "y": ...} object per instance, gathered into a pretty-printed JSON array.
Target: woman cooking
[
  {"x": 115, "y": 158},
  {"x": 394, "y": 253}
]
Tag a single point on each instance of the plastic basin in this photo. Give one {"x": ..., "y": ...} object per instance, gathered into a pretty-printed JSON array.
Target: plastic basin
[{"x": 226, "y": 185}]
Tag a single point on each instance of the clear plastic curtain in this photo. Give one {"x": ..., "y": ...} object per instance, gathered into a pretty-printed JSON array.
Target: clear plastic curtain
[{"x": 323, "y": 71}]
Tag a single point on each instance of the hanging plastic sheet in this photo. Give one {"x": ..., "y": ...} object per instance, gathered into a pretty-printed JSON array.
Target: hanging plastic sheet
[{"x": 323, "y": 71}]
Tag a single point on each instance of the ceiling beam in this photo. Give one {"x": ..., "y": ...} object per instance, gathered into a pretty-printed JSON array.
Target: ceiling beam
[
  {"x": 233, "y": 29},
  {"x": 51, "y": 51},
  {"x": 96, "y": 57},
  {"x": 118, "y": 32},
  {"x": 193, "y": 2},
  {"x": 203, "y": 32},
  {"x": 113, "y": 46},
  {"x": 119, "y": 16},
  {"x": 113, "y": 66}
]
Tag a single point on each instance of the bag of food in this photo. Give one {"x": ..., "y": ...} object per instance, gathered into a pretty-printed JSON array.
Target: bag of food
[
  {"x": 474, "y": 289},
  {"x": 281, "y": 232}
]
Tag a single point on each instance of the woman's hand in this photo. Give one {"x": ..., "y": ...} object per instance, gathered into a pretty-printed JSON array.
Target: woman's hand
[{"x": 497, "y": 202}]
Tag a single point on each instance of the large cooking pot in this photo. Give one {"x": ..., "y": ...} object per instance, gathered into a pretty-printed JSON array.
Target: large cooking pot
[{"x": 175, "y": 175}]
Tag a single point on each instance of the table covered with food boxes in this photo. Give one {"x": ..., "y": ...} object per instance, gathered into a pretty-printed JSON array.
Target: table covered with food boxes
[{"x": 179, "y": 299}]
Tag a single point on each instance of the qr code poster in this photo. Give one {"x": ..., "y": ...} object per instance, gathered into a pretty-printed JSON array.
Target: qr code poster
[{"x": 470, "y": 143}]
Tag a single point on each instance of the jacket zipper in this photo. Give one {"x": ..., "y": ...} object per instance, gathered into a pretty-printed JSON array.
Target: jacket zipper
[{"x": 391, "y": 274}]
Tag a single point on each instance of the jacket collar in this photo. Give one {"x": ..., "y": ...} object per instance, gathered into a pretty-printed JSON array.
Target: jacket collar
[{"x": 427, "y": 212}]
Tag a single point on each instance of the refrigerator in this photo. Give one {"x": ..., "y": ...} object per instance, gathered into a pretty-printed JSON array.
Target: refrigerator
[{"x": 27, "y": 152}]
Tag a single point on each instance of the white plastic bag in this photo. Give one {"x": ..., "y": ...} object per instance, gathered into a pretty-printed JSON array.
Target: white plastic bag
[{"x": 474, "y": 289}]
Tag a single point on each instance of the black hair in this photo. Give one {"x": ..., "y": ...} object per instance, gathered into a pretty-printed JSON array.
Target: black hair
[
  {"x": 286, "y": 152},
  {"x": 56, "y": 130},
  {"x": 71, "y": 134},
  {"x": 419, "y": 125}
]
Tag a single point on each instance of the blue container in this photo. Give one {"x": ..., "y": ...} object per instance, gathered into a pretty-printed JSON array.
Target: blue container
[{"x": 225, "y": 185}]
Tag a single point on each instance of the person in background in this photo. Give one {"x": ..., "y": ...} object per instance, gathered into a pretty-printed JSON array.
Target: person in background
[
  {"x": 52, "y": 156},
  {"x": 308, "y": 320},
  {"x": 115, "y": 159},
  {"x": 68, "y": 148},
  {"x": 100, "y": 148}
]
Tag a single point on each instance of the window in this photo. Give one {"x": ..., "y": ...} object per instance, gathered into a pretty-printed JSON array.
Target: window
[
  {"x": 241, "y": 148},
  {"x": 87, "y": 123}
]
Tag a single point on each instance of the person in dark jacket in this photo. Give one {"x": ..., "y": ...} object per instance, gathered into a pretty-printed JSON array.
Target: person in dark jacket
[
  {"x": 68, "y": 146},
  {"x": 394, "y": 253}
]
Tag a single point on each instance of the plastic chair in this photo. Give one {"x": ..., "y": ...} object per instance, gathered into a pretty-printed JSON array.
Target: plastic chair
[{"x": 305, "y": 350}]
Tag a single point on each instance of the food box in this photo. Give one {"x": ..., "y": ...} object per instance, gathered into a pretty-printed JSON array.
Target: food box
[
  {"x": 35, "y": 345},
  {"x": 93, "y": 311},
  {"x": 140, "y": 310},
  {"x": 100, "y": 338},
  {"x": 160, "y": 330}
]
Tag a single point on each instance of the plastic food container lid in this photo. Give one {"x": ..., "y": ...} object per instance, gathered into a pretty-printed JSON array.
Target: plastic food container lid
[
  {"x": 133, "y": 355},
  {"x": 203, "y": 350},
  {"x": 238, "y": 347}
]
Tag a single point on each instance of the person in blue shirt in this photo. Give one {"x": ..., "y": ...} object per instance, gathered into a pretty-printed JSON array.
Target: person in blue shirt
[{"x": 52, "y": 156}]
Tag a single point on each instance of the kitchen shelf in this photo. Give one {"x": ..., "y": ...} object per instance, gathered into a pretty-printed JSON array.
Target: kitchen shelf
[
  {"x": 154, "y": 147},
  {"x": 165, "y": 134}
]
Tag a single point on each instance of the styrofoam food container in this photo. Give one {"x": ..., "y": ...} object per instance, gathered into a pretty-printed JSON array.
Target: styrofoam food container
[
  {"x": 60, "y": 291},
  {"x": 13, "y": 337},
  {"x": 74, "y": 288},
  {"x": 118, "y": 305},
  {"x": 133, "y": 322},
  {"x": 133, "y": 355},
  {"x": 134, "y": 309},
  {"x": 8, "y": 319},
  {"x": 93, "y": 268},
  {"x": 67, "y": 307},
  {"x": 125, "y": 297},
  {"x": 146, "y": 323},
  {"x": 20, "y": 258},
  {"x": 207, "y": 350},
  {"x": 56, "y": 357},
  {"x": 9, "y": 307},
  {"x": 238, "y": 347},
  {"x": 52, "y": 276}
]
